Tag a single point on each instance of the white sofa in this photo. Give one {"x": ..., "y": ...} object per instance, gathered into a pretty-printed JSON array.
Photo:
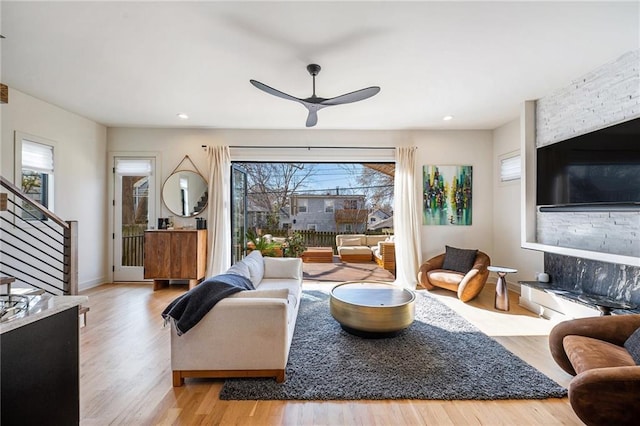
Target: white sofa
[
  {"x": 358, "y": 247},
  {"x": 248, "y": 334}
]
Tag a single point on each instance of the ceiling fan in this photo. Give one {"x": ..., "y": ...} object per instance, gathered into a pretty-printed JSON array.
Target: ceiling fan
[{"x": 315, "y": 103}]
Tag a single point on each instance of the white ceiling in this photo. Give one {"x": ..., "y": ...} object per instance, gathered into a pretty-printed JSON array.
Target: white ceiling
[{"x": 140, "y": 63}]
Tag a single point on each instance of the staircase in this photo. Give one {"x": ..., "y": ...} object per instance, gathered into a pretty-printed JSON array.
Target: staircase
[{"x": 38, "y": 250}]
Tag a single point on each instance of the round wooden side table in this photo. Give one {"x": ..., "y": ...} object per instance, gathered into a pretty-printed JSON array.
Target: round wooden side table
[{"x": 502, "y": 294}]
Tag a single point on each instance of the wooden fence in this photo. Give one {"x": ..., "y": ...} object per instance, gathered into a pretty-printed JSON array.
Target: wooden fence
[{"x": 133, "y": 245}]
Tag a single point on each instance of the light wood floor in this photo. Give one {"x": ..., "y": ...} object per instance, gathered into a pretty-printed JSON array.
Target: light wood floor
[{"x": 125, "y": 373}]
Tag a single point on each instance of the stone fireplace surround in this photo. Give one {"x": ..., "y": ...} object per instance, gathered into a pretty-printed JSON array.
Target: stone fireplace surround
[
  {"x": 606, "y": 96},
  {"x": 577, "y": 275}
]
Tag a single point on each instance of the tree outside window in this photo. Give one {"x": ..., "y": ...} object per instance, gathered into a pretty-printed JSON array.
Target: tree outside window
[{"x": 36, "y": 177}]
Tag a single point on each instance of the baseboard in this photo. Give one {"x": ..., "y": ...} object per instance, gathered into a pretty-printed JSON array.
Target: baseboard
[{"x": 86, "y": 285}]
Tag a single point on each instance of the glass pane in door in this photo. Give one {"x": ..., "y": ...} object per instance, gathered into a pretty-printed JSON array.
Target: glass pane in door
[{"x": 135, "y": 218}]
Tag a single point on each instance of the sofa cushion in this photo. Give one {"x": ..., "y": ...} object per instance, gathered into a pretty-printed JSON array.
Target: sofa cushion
[
  {"x": 349, "y": 250},
  {"x": 255, "y": 263},
  {"x": 445, "y": 278},
  {"x": 373, "y": 240},
  {"x": 276, "y": 293},
  {"x": 355, "y": 241},
  {"x": 292, "y": 286},
  {"x": 460, "y": 260},
  {"x": 288, "y": 267},
  {"x": 632, "y": 345},
  {"x": 586, "y": 353}
]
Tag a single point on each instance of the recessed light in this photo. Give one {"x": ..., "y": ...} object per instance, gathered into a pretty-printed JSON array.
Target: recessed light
[
  {"x": 183, "y": 116},
  {"x": 447, "y": 117}
]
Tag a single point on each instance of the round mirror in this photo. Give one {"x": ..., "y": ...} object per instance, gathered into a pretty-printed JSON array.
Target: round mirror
[{"x": 185, "y": 193}]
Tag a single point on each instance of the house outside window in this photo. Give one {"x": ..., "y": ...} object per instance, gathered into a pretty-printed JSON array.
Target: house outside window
[
  {"x": 311, "y": 227},
  {"x": 36, "y": 178},
  {"x": 302, "y": 206},
  {"x": 350, "y": 204},
  {"x": 328, "y": 206}
]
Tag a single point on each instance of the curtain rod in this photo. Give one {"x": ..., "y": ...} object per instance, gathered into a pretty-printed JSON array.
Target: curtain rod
[{"x": 308, "y": 147}]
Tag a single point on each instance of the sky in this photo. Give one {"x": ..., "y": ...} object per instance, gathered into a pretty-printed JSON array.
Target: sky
[{"x": 331, "y": 175}]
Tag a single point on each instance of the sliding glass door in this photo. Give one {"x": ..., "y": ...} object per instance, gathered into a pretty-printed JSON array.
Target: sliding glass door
[{"x": 238, "y": 213}]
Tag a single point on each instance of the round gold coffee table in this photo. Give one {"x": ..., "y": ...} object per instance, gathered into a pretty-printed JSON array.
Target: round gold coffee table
[{"x": 372, "y": 309}]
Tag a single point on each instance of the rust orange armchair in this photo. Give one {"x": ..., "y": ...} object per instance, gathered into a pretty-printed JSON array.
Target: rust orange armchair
[
  {"x": 467, "y": 285},
  {"x": 606, "y": 386}
]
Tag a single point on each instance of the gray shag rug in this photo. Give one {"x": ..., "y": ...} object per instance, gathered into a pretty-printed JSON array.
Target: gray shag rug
[{"x": 440, "y": 356}]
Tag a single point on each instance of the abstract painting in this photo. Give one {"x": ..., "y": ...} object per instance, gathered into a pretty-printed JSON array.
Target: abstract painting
[{"x": 447, "y": 195}]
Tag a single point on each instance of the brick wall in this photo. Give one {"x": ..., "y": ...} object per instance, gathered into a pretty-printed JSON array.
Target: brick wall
[{"x": 605, "y": 96}]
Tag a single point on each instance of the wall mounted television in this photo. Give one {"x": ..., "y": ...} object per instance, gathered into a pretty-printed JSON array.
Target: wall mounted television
[{"x": 597, "y": 170}]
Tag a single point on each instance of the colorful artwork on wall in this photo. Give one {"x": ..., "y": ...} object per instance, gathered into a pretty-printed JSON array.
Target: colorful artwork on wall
[{"x": 447, "y": 195}]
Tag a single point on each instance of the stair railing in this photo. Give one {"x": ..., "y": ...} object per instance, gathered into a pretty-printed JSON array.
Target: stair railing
[{"x": 38, "y": 251}]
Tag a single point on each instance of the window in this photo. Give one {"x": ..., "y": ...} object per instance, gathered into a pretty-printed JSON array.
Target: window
[
  {"x": 348, "y": 227},
  {"x": 328, "y": 206},
  {"x": 36, "y": 176},
  {"x": 510, "y": 168},
  {"x": 302, "y": 206},
  {"x": 350, "y": 204},
  {"x": 311, "y": 227}
]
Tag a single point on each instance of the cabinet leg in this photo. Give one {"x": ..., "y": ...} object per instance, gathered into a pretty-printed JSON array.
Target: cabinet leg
[
  {"x": 193, "y": 283},
  {"x": 158, "y": 284}
]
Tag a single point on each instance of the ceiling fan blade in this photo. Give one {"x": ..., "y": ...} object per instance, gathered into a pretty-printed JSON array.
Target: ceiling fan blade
[
  {"x": 312, "y": 119},
  {"x": 274, "y": 92},
  {"x": 356, "y": 96}
]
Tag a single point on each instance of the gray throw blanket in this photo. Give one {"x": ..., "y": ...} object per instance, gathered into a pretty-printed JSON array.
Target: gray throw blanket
[{"x": 188, "y": 309}]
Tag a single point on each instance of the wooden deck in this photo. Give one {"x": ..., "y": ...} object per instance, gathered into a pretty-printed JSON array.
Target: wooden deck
[{"x": 339, "y": 271}]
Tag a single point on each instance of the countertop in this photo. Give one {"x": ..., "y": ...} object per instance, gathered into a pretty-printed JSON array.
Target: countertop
[{"x": 40, "y": 307}]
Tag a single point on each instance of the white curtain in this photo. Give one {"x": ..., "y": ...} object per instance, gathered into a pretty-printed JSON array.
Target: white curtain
[
  {"x": 406, "y": 218},
  {"x": 219, "y": 218}
]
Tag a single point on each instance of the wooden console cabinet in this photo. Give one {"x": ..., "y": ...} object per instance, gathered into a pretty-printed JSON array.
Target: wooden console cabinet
[{"x": 179, "y": 254}]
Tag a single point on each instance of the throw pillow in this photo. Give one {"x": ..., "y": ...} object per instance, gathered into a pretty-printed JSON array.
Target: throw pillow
[
  {"x": 239, "y": 268},
  {"x": 459, "y": 260},
  {"x": 282, "y": 267},
  {"x": 255, "y": 262},
  {"x": 632, "y": 345}
]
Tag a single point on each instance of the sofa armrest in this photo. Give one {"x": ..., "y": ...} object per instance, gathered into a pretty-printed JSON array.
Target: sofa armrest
[
  {"x": 607, "y": 395},
  {"x": 387, "y": 248},
  {"x": 613, "y": 329}
]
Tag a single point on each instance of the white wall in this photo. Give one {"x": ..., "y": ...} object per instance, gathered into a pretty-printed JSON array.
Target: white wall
[
  {"x": 83, "y": 147},
  {"x": 80, "y": 179},
  {"x": 460, "y": 148},
  {"x": 506, "y": 212},
  {"x": 434, "y": 147}
]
